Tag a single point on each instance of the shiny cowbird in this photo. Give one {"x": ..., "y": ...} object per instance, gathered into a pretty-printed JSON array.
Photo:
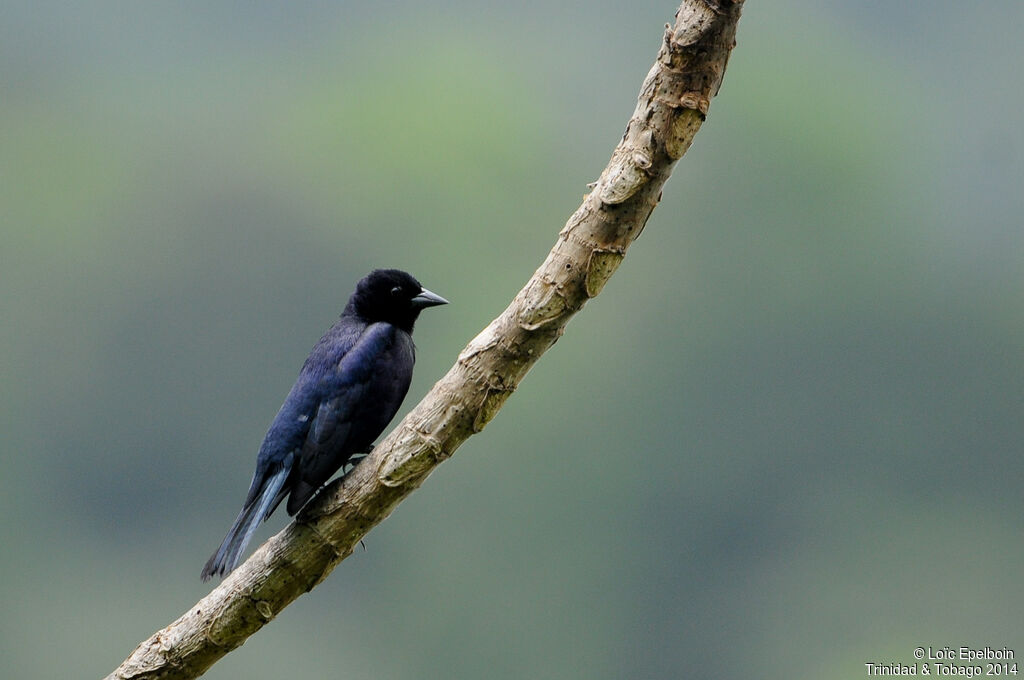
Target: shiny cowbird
[{"x": 349, "y": 389}]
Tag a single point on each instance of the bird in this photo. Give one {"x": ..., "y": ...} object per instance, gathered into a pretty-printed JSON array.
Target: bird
[{"x": 350, "y": 387}]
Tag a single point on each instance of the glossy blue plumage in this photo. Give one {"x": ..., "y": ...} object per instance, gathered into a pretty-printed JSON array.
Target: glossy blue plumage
[{"x": 348, "y": 390}]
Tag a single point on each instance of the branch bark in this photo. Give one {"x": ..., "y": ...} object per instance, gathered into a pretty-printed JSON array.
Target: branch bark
[{"x": 672, "y": 104}]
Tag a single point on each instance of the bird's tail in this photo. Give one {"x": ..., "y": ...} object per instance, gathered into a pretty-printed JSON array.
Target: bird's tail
[{"x": 264, "y": 495}]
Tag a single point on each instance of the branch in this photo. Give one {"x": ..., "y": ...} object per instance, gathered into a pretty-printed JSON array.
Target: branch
[{"x": 672, "y": 105}]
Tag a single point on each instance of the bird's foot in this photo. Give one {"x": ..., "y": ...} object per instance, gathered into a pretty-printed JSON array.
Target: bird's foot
[{"x": 354, "y": 460}]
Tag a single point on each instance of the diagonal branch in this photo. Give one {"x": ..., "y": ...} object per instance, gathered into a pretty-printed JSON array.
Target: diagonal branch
[{"x": 672, "y": 104}]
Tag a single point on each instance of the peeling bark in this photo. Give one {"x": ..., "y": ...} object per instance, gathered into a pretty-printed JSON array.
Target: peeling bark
[{"x": 672, "y": 104}]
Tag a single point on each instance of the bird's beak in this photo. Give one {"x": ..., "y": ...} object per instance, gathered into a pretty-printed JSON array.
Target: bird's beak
[{"x": 427, "y": 299}]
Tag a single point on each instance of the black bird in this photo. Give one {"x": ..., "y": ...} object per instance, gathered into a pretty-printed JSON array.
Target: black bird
[{"x": 347, "y": 392}]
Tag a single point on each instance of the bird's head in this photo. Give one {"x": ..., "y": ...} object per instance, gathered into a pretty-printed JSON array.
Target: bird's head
[{"x": 393, "y": 296}]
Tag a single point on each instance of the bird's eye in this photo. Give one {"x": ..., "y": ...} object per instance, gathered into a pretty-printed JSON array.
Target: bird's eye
[{"x": 396, "y": 291}]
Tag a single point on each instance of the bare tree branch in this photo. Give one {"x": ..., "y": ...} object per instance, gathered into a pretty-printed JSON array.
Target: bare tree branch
[{"x": 672, "y": 104}]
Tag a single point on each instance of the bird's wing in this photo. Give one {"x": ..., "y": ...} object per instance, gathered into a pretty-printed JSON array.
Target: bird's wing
[{"x": 336, "y": 430}]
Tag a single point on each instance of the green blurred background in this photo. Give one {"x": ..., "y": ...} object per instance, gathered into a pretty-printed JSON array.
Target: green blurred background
[{"x": 786, "y": 439}]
